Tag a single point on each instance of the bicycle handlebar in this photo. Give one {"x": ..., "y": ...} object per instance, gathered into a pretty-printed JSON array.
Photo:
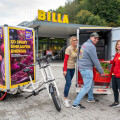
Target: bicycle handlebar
[
  {"x": 61, "y": 49},
  {"x": 41, "y": 58},
  {"x": 44, "y": 58},
  {"x": 52, "y": 57}
]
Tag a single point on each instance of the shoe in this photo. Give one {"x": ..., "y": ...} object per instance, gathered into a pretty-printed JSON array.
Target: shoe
[
  {"x": 78, "y": 106},
  {"x": 69, "y": 100},
  {"x": 63, "y": 98},
  {"x": 66, "y": 103},
  {"x": 115, "y": 105},
  {"x": 94, "y": 100}
]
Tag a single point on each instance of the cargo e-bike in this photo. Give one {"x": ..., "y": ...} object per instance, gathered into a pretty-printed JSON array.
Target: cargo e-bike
[{"x": 48, "y": 80}]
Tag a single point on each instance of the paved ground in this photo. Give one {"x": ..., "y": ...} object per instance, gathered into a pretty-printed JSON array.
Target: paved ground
[{"x": 41, "y": 107}]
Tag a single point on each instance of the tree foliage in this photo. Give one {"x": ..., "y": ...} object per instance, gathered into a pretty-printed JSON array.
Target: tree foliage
[
  {"x": 86, "y": 17},
  {"x": 92, "y": 12},
  {"x": 107, "y": 9}
]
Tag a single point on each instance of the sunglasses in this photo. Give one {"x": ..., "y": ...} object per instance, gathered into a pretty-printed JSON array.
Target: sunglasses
[{"x": 75, "y": 40}]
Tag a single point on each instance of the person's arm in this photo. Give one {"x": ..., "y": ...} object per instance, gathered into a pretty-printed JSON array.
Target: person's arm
[
  {"x": 94, "y": 58},
  {"x": 111, "y": 61},
  {"x": 65, "y": 62},
  {"x": 67, "y": 53},
  {"x": 106, "y": 62}
]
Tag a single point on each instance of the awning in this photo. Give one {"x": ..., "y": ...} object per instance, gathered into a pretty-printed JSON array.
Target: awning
[{"x": 54, "y": 30}]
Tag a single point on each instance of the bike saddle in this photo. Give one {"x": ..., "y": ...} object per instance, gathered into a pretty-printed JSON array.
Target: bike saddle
[{"x": 27, "y": 70}]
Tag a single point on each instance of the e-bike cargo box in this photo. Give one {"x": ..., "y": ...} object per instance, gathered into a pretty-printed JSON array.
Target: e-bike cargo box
[{"x": 17, "y": 44}]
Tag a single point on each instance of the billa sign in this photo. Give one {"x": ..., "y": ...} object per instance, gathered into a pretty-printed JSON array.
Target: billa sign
[{"x": 42, "y": 15}]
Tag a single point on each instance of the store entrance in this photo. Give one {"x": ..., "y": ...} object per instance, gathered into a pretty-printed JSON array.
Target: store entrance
[{"x": 51, "y": 46}]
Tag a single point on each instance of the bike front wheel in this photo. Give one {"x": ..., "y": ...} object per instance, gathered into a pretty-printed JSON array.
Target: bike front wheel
[{"x": 55, "y": 99}]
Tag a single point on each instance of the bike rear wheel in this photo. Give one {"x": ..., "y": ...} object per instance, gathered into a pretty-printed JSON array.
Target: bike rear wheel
[{"x": 55, "y": 99}]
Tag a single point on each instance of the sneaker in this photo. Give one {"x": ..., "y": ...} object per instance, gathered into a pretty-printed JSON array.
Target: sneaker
[
  {"x": 66, "y": 103},
  {"x": 78, "y": 106},
  {"x": 94, "y": 100},
  {"x": 69, "y": 100},
  {"x": 115, "y": 105},
  {"x": 63, "y": 98}
]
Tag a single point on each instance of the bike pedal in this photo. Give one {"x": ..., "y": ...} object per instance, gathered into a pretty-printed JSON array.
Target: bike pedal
[
  {"x": 36, "y": 93},
  {"x": 41, "y": 89}
]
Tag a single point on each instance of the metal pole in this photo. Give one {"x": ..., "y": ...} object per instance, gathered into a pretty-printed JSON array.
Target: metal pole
[
  {"x": 37, "y": 34},
  {"x": 37, "y": 42}
]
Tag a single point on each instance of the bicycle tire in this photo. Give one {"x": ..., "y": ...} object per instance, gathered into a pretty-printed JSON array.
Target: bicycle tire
[{"x": 56, "y": 100}]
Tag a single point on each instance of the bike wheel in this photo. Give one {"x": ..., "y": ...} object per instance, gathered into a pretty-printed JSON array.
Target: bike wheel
[{"x": 55, "y": 99}]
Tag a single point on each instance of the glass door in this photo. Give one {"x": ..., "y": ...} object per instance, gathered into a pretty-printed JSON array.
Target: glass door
[{"x": 51, "y": 45}]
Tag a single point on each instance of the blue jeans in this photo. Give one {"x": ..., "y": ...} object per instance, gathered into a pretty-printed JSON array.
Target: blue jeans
[
  {"x": 87, "y": 76},
  {"x": 68, "y": 78}
]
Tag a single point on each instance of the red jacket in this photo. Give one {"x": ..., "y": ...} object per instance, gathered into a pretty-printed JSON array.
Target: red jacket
[{"x": 115, "y": 69}]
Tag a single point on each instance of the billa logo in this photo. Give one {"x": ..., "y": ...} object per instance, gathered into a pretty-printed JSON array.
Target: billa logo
[
  {"x": 28, "y": 35},
  {"x": 42, "y": 15}
]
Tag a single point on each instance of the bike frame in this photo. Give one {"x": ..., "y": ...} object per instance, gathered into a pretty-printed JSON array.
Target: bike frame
[{"x": 47, "y": 76}]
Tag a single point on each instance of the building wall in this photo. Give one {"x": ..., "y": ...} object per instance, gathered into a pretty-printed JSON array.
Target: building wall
[{"x": 68, "y": 42}]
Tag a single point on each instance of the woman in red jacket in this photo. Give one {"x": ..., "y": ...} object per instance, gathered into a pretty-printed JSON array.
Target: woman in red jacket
[
  {"x": 115, "y": 71},
  {"x": 69, "y": 67}
]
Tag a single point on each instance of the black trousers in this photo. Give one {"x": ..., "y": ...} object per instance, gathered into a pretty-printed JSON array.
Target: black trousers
[{"x": 116, "y": 87}]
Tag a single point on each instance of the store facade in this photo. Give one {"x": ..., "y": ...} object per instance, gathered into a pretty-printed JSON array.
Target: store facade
[{"x": 51, "y": 33}]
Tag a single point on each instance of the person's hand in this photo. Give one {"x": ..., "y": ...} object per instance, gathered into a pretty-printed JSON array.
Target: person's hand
[
  {"x": 105, "y": 61},
  {"x": 64, "y": 73},
  {"x": 103, "y": 74}
]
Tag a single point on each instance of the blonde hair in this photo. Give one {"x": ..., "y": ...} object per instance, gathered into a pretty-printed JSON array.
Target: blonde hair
[
  {"x": 71, "y": 38},
  {"x": 116, "y": 46}
]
